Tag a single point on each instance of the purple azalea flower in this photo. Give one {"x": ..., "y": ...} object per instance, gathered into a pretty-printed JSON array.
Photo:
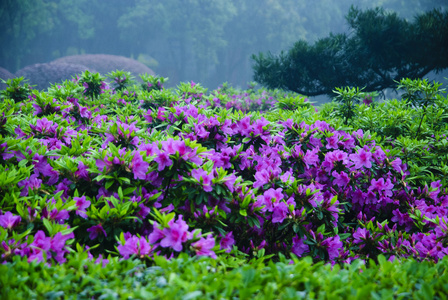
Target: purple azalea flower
[
  {"x": 19, "y": 132},
  {"x": 280, "y": 212},
  {"x": 40, "y": 244},
  {"x": 44, "y": 126},
  {"x": 63, "y": 186},
  {"x": 362, "y": 159},
  {"x": 358, "y": 134},
  {"x": 270, "y": 198},
  {"x": 299, "y": 247},
  {"x": 81, "y": 204},
  {"x": 287, "y": 176},
  {"x": 341, "y": 179},
  {"x": 95, "y": 231},
  {"x": 135, "y": 245},
  {"x": 245, "y": 126},
  {"x": 144, "y": 211},
  {"x": 259, "y": 124},
  {"x": 227, "y": 242},
  {"x": 379, "y": 155},
  {"x": 33, "y": 183},
  {"x": 156, "y": 235},
  {"x": 203, "y": 178},
  {"x": 175, "y": 234},
  {"x": 204, "y": 247},
  {"x": 57, "y": 246},
  {"x": 348, "y": 141},
  {"x": 398, "y": 165},
  {"x": 261, "y": 178},
  {"x": 200, "y": 131},
  {"x": 332, "y": 244},
  {"x": 230, "y": 182},
  {"x": 402, "y": 219},
  {"x": 82, "y": 171},
  {"x": 367, "y": 100},
  {"x": 9, "y": 221},
  {"x": 333, "y": 158},
  {"x": 4, "y": 152},
  {"x": 370, "y": 198},
  {"x": 384, "y": 188},
  {"x": 55, "y": 214},
  {"x": 311, "y": 157},
  {"x": 139, "y": 166},
  {"x": 41, "y": 166},
  {"x": 361, "y": 235},
  {"x": 163, "y": 159},
  {"x": 332, "y": 141},
  {"x": 85, "y": 112}
]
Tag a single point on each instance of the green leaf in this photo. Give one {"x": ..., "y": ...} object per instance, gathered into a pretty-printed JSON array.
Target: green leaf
[
  {"x": 108, "y": 184},
  {"x": 48, "y": 226}
]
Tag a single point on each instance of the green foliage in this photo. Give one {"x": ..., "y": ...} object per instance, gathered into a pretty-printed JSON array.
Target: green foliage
[
  {"x": 152, "y": 83},
  {"x": 293, "y": 103},
  {"x": 92, "y": 83},
  {"x": 121, "y": 79},
  {"x": 347, "y": 98},
  {"x": 224, "y": 278},
  {"x": 16, "y": 90},
  {"x": 381, "y": 49},
  {"x": 421, "y": 94}
]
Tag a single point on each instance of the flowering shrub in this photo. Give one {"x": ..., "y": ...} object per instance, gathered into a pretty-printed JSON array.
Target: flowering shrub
[
  {"x": 413, "y": 128},
  {"x": 200, "y": 177}
]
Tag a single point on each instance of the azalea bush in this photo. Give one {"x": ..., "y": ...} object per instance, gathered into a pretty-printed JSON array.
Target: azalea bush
[
  {"x": 85, "y": 169},
  {"x": 413, "y": 128}
]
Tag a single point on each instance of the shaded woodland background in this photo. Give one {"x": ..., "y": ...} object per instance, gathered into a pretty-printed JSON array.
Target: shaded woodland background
[{"x": 206, "y": 41}]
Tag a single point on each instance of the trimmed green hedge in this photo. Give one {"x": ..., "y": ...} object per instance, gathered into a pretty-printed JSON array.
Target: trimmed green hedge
[{"x": 224, "y": 278}]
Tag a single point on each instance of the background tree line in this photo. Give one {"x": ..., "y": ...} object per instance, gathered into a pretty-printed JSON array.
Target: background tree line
[
  {"x": 208, "y": 41},
  {"x": 376, "y": 54}
]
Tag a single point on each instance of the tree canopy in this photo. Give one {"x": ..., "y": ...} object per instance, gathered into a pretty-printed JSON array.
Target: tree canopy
[
  {"x": 207, "y": 41},
  {"x": 380, "y": 49}
]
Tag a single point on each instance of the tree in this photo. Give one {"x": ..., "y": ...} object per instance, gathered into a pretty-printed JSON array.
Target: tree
[
  {"x": 380, "y": 50},
  {"x": 183, "y": 36},
  {"x": 20, "y": 23},
  {"x": 258, "y": 25}
]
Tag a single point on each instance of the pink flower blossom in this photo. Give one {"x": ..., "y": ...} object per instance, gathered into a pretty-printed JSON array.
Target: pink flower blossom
[
  {"x": 176, "y": 234},
  {"x": 9, "y": 221},
  {"x": 163, "y": 159},
  {"x": 204, "y": 247},
  {"x": 361, "y": 159},
  {"x": 280, "y": 212},
  {"x": 203, "y": 178},
  {"x": 384, "y": 188},
  {"x": 227, "y": 242},
  {"x": 135, "y": 246},
  {"x": 298, "y": 246},
  {"x": 139, "y": 166},
  {"x": 340, "y": 179},
  {"x": 81, "y": 204},
  {"x": 95, "y": 231}
]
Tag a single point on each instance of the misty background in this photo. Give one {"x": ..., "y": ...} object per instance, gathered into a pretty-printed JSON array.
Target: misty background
[{"x": 205, "y": 41}]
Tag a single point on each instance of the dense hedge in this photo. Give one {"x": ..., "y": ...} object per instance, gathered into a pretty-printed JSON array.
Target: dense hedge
[{"x": 224, "y": 278}]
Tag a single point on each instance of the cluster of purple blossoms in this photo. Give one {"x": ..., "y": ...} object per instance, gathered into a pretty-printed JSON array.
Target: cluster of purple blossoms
[
  {"x": 175, "y": 237},
  {"x": 42, "y": 248},
  {"x": 281, "y": 186}
]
